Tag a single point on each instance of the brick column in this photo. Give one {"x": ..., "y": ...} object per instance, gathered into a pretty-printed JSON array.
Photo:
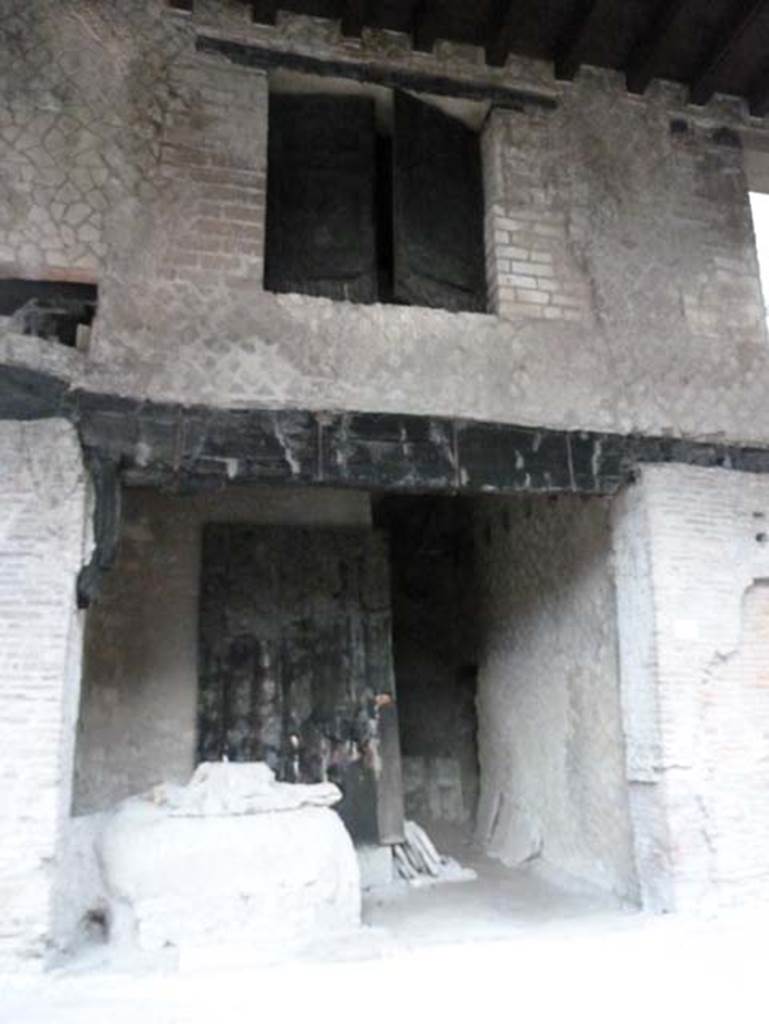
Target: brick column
[
  {"x": 42, "y": 546},
  {"x": 531, "y": 264},
  {"x": 214, "y": 149},
  {"x": 692, "y": 571}
]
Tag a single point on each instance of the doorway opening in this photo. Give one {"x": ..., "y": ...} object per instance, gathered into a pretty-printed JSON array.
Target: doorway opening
[{"x": 444, "y": 660}]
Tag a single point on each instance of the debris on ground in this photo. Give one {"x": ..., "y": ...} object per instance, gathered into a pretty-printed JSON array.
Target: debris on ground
[{"x": 419, "y": 863}]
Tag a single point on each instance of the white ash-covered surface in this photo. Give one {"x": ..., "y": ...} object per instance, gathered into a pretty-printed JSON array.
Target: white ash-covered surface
[
  {"x": 221, "y": 788},
  {"x": 589, "y": 966},
  {"x": 235, "y": 859}
]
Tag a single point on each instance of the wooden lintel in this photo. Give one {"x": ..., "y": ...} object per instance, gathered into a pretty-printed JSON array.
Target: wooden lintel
[{"x": 268, "y": 58}]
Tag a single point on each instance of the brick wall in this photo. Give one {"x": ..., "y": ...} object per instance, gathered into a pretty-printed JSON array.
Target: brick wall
[
  {"x": 214, "y": 157},
  {"x": 569, "y": 190},
  {"x": 42, "y": 537},
  {"x": 531, "y": 268},
  {"x": 693, "y": 602}
]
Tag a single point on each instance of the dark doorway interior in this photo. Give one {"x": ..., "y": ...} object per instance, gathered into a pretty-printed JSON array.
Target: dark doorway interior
[{"x": 435, "y": 642}]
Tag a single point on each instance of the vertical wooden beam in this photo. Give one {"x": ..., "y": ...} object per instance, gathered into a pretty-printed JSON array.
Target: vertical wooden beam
[
  {"x": 264, "y": 11},
  {"x": 644, "y": 60},
  {"x": 741, "y": 20}
]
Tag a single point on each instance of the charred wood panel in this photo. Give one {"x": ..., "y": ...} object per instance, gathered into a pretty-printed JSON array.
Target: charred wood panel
[
  {"x": 191, "y": 449},
  {"x": 438, "y": 200},
  {"x": 495, "y": 457},
  {"x": 384, "y": 450},
  {"x": 296, "y": 664},
  {"x": 320, "y": 201}
]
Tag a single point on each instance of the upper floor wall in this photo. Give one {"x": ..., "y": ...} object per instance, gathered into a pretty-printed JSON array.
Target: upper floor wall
[{"x": 623, "y": 283}]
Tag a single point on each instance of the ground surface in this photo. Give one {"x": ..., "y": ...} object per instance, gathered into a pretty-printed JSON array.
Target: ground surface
[{"x": 509, "y": 946}]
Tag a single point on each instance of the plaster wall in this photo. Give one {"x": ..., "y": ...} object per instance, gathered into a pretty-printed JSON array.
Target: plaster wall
[
  {"x": 550, "y": 734},
  {"x": 138, "y": 707},
  {"x": 693, "y": 606},
  {"x": 622, "y": 269},
  {"x": 43, "y": 544}
]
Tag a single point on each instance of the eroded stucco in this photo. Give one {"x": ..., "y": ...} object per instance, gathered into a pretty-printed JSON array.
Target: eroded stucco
[
  {"x": 692, "y": 570},
  {"x": 135, "y": 161}
]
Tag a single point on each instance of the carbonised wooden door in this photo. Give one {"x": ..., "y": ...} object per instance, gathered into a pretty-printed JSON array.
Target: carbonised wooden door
[
  {"x": 295, "y": 664},
  {"x": 320, "y": 202}
]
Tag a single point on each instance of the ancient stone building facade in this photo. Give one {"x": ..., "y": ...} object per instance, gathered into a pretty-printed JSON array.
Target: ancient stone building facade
[{"x": 603, "y": 420}]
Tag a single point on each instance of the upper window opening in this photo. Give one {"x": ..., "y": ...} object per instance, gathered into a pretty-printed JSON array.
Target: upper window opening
[
  {"x": 59, "y": 311},
  {"x": 759, "y": 205},
  {"x": 374, "y": 196}
]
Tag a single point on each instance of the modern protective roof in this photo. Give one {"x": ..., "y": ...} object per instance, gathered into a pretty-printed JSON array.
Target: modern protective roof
[{"x": 708, "y": 45}]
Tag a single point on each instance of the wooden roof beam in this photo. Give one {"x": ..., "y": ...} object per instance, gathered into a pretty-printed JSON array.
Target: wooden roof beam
[
  {"x": 423, "y": 26},
  {"x": 740, "y": 22},
  {"x": 644, "y": 60},
  {"x": 264, "y": 11},
  {"x": 572, "y": 49},
  {"x": 353, "y": 16},
  {"x": 759, "y": 94},
  {"x": 500, "y": 31}
]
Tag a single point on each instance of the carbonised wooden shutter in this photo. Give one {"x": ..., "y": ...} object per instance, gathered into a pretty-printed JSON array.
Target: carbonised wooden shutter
[
  {"x": 438, "y": 200},
  {"x": 320, "y": 235},
  {"x": 296, "y": 663}
]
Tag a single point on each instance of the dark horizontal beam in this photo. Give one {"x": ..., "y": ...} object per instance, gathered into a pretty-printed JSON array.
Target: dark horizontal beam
[
  {"x": 644, "y": 60},
  {"x": 500, "y": 31},
  {"x": 268, "y": 58},
  {"x": 190, "y": 448},
  {"x": 741, "y": 20}
]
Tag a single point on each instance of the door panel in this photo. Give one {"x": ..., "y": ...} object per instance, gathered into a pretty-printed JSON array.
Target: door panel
[
  {"x": 296, "y": 663},
  {"x": 438, "y": 199},
  {"x": 320, "y": 199}
]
